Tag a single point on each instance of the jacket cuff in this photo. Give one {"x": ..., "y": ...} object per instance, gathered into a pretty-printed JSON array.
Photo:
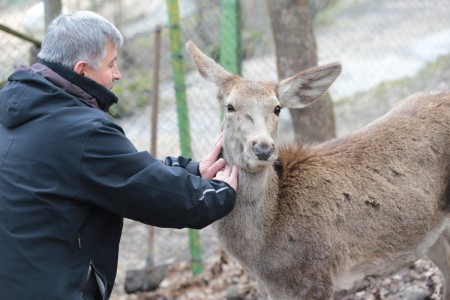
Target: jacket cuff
[{"x": 193, "y": 167}]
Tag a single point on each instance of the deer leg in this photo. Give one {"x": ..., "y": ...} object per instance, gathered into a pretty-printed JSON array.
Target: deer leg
[{"x": 440, "y": 256}]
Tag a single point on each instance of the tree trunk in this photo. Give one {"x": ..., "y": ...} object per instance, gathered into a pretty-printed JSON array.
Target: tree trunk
[
  {"x": 52, "y": 9},
  {"x": 296, "y": 51}
]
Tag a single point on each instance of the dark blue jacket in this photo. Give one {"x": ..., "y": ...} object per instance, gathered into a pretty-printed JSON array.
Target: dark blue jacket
[{"x": 68, "y": 177}]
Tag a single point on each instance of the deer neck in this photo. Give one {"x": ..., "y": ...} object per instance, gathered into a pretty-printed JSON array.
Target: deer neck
[
  {"x": 256, "y": 191},
  {"x": 257, "y": 188},
  {"x": 254, "y": 188},
  {"x": 253, "y": 214}
]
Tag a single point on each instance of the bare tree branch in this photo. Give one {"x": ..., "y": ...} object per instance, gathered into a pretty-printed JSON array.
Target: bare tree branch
[{"x": 20, "y": 35}]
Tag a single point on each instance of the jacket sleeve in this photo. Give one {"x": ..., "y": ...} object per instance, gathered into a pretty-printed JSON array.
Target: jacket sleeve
[
  {"x": 135, "y": 185},
  {"x": 184, "y": 162}
]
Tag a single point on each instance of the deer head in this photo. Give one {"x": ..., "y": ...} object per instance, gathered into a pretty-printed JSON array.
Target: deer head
[{"x": 252, "y": 108}]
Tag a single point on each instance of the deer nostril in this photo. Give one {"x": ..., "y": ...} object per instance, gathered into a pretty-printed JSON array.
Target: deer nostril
[{"x": 262, "y": 151}]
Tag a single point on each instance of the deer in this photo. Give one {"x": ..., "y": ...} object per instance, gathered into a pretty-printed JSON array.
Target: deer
[{"x": 325, "y": 220}]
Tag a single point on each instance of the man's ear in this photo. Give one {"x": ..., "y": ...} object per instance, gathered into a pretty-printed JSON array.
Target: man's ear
[{"x": 79, "y": 67}]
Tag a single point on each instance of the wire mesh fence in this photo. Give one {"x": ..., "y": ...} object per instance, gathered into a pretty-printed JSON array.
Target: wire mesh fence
[{"x": 375, "y": 41}]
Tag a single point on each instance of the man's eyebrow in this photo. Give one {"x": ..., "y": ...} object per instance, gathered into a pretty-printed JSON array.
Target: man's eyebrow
[{"x": 114, "y": 59}]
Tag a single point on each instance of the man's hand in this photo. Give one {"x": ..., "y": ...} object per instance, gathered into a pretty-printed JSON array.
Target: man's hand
[
  {"x": 210, "y": 165},
  {"x": 229, "y": 175}
]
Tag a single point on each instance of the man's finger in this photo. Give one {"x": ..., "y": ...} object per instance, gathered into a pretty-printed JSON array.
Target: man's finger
[
  {"x": 216, "y": 148},
  {"x": 216, "y": 167},
  {"x": 234, "y": 172}
]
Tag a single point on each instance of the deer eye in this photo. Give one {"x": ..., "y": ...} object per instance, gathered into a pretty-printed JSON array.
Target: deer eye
[
  {"x": 229, "y": 108},
  {"x": 277, "y": 110}
]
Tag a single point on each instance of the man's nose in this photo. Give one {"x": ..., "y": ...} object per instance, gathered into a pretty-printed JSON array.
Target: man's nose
[{"x": 116, "y": 74}]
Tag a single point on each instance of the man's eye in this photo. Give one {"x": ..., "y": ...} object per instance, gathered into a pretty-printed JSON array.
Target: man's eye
[{"x": 229, "y": 108}]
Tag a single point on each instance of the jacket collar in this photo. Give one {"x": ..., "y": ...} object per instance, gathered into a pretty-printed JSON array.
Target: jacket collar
[{"x": 95, "y": 94}]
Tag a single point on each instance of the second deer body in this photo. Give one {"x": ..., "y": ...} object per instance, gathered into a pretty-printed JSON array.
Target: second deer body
[{"x": 323, "y": 221}]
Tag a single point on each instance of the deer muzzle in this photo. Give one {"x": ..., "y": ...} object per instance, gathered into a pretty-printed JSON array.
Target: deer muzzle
[{"x": 263, "y": 150}]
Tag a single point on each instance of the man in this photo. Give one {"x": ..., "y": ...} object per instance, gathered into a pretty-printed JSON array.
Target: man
[{"x": 68, "y": 174}]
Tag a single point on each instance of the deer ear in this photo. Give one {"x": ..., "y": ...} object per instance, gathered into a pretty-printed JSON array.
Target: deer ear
[
  {"x": 304, "y": 88},
  {"x": 208, "y": 68}
]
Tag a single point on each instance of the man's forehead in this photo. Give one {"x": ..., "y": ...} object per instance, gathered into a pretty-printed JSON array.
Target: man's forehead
[{"x": 111, "y": 51}]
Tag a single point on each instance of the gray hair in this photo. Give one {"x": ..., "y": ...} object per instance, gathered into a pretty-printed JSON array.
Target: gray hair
[{"x": 79, "y": 36}]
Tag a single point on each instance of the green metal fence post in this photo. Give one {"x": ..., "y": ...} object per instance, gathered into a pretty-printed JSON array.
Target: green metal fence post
[
  {"x": 183, "y": 117},
  {"x": 230, "y": 35}
]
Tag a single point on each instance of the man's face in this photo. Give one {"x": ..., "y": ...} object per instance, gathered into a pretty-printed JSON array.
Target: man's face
[{"x": 108, "y": 71}]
